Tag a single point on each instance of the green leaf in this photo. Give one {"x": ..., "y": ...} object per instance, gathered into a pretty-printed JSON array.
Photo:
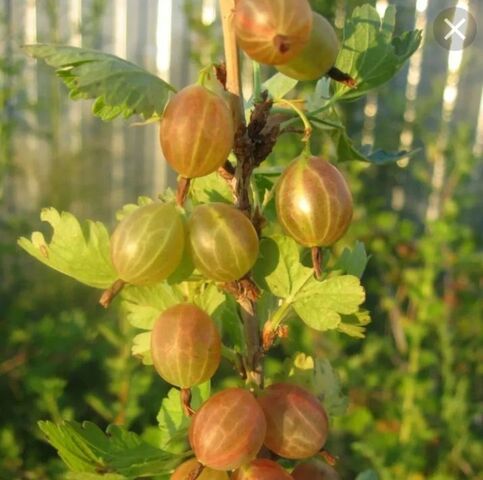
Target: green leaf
[
  {"x": 173, "y": 422},
  {"x": 353, "y": 262},
  {"x": 368, "y": 475},
  {"x": 80, "y": 253},
  {"x": 119, "y": 87},
  {"x": 141, "y": 347},
  {"x": 86, "y": 448},
  {"x": 211, "y": 188},
  {"x": 370, "y": 54},
  {"x": 279, "y": 85},
  {"x": 320, "y": 304},
  {"x": 278, "y": 268},
  {"x": 355, "y": 325},
  {"x": 143, "y": 305},
  {"x": 346, "y": 151},
  {"x": 317, "y": 376},
  {"x": 94, "y": 476}
]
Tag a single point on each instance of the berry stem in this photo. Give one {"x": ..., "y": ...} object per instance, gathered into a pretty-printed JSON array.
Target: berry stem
[
  {"x": 317, "y": 261},
  {"x": 182, "y": 190},
  {"x": 110, "y": 293},
  {"x": 303, "y": 117}
]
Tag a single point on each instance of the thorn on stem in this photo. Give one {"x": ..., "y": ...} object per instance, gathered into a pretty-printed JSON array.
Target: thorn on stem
[{"x": 110, "y": 293}]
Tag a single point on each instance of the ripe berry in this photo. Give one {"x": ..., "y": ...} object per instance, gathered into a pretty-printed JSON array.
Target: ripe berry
[
  {"x": 228, "y": 430},
  {"x": 272, "y": 31},
  {"x": 313, "y": 201},
  {"x": 297, "y": 424},
  {"x": 147, "y": 245},
  {"x": 197, "y": 132},
  {"x": 190, "y": 466},
  {"x": 261, "y": 469},
  {"x": 314, "y": 470},
  {"x": 185, "y": 346},
  {"x": 223, "y": 242},
  {"x": 318, "y": 56}
]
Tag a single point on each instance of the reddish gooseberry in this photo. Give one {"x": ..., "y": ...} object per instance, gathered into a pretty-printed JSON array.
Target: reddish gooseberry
[
  {"x": 261, "y": 469},
  {"x": 185, "y": 346},
  {"x": 187, "y": 468},
  {"x": 313, "y": 201},
  {"x": 228, "y": 430},
  {"x": 297, "y": 424},
  {"x": 314, "y": 470},
  {"x": 318, "y": 56},
  {"x": 196, "y": 132},
  {"x": 273, "y": 31},
  {"x": 147, "y": 245},
  {"x": 223, "y": 241}
]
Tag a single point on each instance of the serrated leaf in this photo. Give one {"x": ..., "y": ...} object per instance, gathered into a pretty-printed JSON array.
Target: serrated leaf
[
  {"x": 211, "y": 188},
  {"x": 141, "y": 347},
  {"x": 346, "y": 151},
  {"x": 279, "y": 85},
  {"x": 321, "y": 304},
  {"x": 80, "y": 253},
  {"x": 320, "y": 378},
  {"x": 278, "y": 267},
  {"x": 355, "y": 325},
  {"x": 143, "y": 305},
  {"x": 173, "y": 422},
  {"x": 353, "y": 261},
  {"x": 119, "y": 87},
  {"x": 86, "y": 448},
  {"x": 370, "y": 54}
]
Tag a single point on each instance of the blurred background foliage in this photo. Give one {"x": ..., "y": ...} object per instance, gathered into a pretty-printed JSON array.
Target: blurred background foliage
[{"x": 414, "y": 383}]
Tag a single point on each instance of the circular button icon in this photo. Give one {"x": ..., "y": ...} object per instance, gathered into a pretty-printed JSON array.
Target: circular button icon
[{"x": 455, "y": 28}]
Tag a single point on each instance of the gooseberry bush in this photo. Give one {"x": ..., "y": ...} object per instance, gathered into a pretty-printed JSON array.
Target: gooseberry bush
[{"x": 220, "y": 269}]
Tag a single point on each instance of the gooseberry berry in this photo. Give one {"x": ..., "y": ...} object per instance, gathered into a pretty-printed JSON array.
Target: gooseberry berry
[
  {"x": 313, "y": 202},
  {"x": 185, "y": 346},
  {"x": 272, "y": 31},
  {"x": 197, "y": 132},
  {"x": 297, "y": 424},
  {"x": 187, "y": 468},
  {"x": 318, "y": 56},
  {"x": 147, "y": 245},
  {"x": 228, "y": 430},
  {"x": 223, "y": 242},
  {"x": 314, "y": 470},
  {"x": 261, "y": 469}
]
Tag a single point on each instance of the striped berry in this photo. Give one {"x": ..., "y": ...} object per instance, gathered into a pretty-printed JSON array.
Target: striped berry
[
  {"x": 147, "y": 245},
  {"x": 261, "y": 469},
  {"x": 185, "y": 346},
  {"x": 318, "y": 56},
  {"x": 313, "y": 201},
  {"x": 314, "y": 470},
  {"x": 272, "y": 31},
  {"x": 228, "y": 430},
  {"x": 189, "y": 467},
  {"x": 197, "y": 132},
  {"x": 297, "y": 424},
  {"x": 224, "y": 243}
]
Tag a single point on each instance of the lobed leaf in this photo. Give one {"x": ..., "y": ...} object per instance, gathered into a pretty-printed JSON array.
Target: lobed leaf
[
  {"x": 370, "y": 54},
  {"x": 321, "y": 304},
  {"x": 119, "y": 87},
  {"x": 80, "y": 253},
  {"x": 87, "y": 449},
  {"x": 353, "y": 261}
]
